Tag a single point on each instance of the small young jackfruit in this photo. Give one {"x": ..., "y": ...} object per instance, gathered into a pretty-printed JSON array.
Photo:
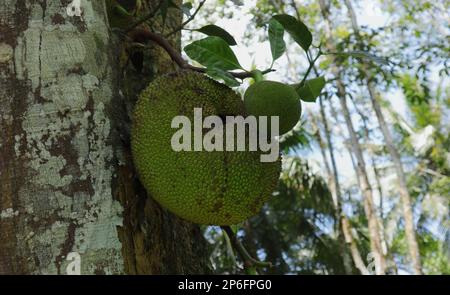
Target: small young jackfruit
[
  {"x": 270, "y": 98},
  {"x": 214, "y": 188}
]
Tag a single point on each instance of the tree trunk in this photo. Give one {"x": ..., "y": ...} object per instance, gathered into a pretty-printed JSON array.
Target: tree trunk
[
  {"x": 343, "y": 249},
  {"x": 356, "y": 255},
  {"x": 393, "y": 152},
  {"x": 366, "y": 189},
  {"x": 67, "y": 183},
  {"x": 345, "y": 227},
  {"x": 376, "y": 176}
]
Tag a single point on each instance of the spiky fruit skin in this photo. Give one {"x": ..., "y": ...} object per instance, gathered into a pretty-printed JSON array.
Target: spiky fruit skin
[
  {"x": 270, "y": 98},
  {"x": 214, "y": 188}
]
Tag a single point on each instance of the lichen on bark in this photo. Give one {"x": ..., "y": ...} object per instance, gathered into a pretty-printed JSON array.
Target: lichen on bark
[{"x": 57, "y": 161}]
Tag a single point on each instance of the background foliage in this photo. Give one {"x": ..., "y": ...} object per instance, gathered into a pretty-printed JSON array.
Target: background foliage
[{"x": 407, "y": 55}]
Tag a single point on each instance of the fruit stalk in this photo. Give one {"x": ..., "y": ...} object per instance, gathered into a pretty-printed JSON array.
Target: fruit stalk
[{"x": 249, "y": 262}]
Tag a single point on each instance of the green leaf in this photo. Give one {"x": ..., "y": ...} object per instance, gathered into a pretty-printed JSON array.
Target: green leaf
[
  {"x": 213, "y": 52},
  {"x": 311, "y": 89},
  {"x": 298, "y": 30},
  {"x": 226, "y": 77},
  {"x": 213, "y": 30},
  {"x": 277, "y": 44}
]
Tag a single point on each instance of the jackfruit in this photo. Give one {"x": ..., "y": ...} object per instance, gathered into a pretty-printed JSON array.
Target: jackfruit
[
  {"x": 213, "y": 188},
  {"x": 270, "y": 98}
]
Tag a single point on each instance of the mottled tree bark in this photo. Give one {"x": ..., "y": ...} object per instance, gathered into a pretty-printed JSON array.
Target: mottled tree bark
[{"x": 67, "y": 182}]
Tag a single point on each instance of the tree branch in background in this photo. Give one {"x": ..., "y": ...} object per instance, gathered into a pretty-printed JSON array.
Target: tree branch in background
[
  {"x": 187, "y": 21},
  {"x": 249, "y": 262}
]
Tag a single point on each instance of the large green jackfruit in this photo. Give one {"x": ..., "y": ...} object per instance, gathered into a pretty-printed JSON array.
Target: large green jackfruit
[{"x": 215, "y": 188}]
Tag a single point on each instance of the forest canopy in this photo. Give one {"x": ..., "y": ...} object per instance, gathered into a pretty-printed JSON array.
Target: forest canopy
[{"x": 386, "y": 63}]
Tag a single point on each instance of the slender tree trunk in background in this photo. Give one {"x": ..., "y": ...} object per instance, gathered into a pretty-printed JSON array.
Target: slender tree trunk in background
[
  {"x": 344, "y": 245},
  {"x": 333, "y": 180},
  {"x": 381, "y": 208},
  {"x": 67, "y": 182},
  {"x": 366, "y": 189},
  {"x": 343, "y": 250},
  {"x": 403, "y": 189},
  {"x": 363, "y": 180},
  {"x": 345, "y": 226},
  {"x": 329, "y": 143},
  {"x": 376, "y": 177},
  {"x": 357, "y": 259}
]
